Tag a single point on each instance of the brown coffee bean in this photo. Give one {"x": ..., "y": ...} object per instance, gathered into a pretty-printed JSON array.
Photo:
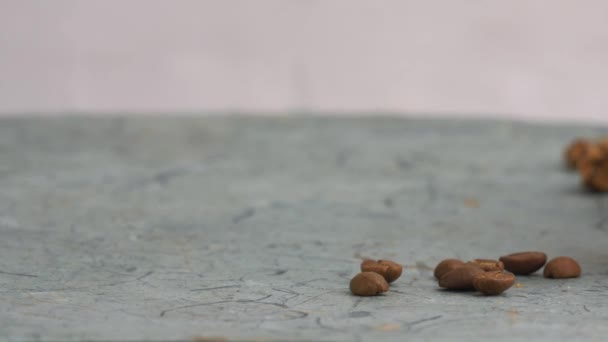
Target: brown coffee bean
[
  {"x": 446, "y": 266},
  {"x": 394, "y": 270},
  {"x": 493, "y": 283},
  {"x": 390, "y": 270},
  {"x": 562, "y": 267},
  {"x": 575, "y": 151},
  {"x": 594, "y": 174},
  {"x": 584, "y": 151},
  {"x": 524, "y": 262},
  {"x": 487, "y": 265},
  {"x": 374, "y": 266},
  {"x": 460, "y": 278},
  {"x": 594, "y": 153},
  {"x": 586, "y": 170},
  {"x": 368, "y": 284}
]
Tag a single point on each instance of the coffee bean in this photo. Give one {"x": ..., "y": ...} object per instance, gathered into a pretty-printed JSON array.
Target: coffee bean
[
  {"x": 446, "y": 266},
  {"x": 390, "y": 270},
  {"x": 595, "y": 175},
  {"x": 368, "y": 284},
  {"x": 487, "y": 265},
  {"x": 575, "y": 152},
  {"x": 493, "y": 283},
  {"x": 562, "y": 267},
  {"x": 582, "y": 151},
  {"x": 374, "y": 266},
  {"x": 460, "y": 278},
  {"x": 524, "y": 263}
]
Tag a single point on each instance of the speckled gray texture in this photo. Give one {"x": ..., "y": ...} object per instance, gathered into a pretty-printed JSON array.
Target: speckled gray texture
[{"x": 251, "y": 228}]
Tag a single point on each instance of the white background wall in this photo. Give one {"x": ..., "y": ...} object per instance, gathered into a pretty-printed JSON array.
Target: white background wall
[{"x": 542, "y": 59}]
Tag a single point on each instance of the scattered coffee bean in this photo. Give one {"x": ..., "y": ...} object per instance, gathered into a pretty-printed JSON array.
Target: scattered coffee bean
[
  {"x": 562, "y": 267},
  {"x": 595, "y": 152},
  {"x": 575, "y": 152},
  {"x": 590, "y": 157},
  {"x": 586, "y": 170},
  {"x": 524, "y": 263},
  {"x": 493, "y": 283},
  {"x": 487, "y": 265},
  {"x": 460, "y": 278},
  {"x": 446, "y": 266},
  {"x": 390, "y": 270},
  {"x": 584, "y": 151},
  {"x": 595, "y": 175},
  {"x": 368, "y": 284}
]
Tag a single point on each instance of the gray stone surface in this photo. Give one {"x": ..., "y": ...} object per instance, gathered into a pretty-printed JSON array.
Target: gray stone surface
[{"x": 251, "y": 228}]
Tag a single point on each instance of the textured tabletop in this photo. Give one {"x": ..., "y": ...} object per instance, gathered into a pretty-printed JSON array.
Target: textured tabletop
[{"x": 251, "y": 228}]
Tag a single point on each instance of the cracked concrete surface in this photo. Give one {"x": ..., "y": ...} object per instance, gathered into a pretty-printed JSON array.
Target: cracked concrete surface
[{"x": 251, "y": 228}]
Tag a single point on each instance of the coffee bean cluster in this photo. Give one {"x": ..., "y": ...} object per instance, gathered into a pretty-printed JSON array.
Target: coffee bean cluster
[
  {"x": 590, "y": 158},
  {"x": 374, "y": 277},
  {"x": 493, "y": 277},
  {"x": 490, "y": 277}
]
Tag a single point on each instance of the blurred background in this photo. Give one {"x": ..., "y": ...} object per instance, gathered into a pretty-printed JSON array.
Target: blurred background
[{"x": 534, "y": 60}]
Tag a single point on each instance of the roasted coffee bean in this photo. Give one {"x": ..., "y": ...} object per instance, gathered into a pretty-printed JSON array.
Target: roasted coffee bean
[
  {"x": 575, "y": 152},
  {"x": 460, "y": 278},
  {"x": 524, "y": 262},
  {"x": 493, "y": 283},
  {"x": 446, "y": 266},
  {"x": 487, "y": 265},
  {"x": 583, "y": 151},
  {"x": 368, "y": 284},
  {"x": 390, "y": 270},
  {"x": 594, "y": 175},
  {"x": 562, "y": 267}
]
